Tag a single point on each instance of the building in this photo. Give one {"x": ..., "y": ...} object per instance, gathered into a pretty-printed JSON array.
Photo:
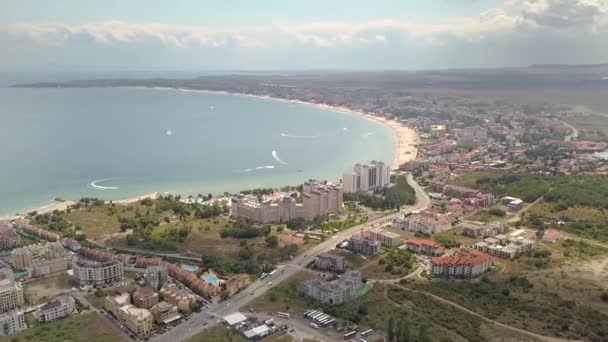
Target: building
[
  {"x": 47, "y": 267},
  {"x": 363, "y": 245},
  {"x": 425, "y": 222},
  {"x": 367, "y": 177},
  {"x": 155, "y": 277},
  {"x": 145, "y": 297},
  {"x": 512, "y": 203},
  {"x": 483, "y": 230},
  {"x": 11, "y": 295},
  {"x": 386, "y": 238},
  {"x": 12, "y": 322},
  {"x": 95, "y": 273},
  {"x": 26, "y": 227},
  {"x": 61, "y": 306},
  {"x": 462, "y": 263},
  {"x": 21, "y": 259},
  {"x": 460, "y": 191},
  {"x": 139, "y": 321},
  {"x": 8, "y": 237},
  {"x": 181, "y": 298},
  {"x": 438, "y": 131},
  {"x": 422, "y": 246},
  {"x": 71, "y": 244},
  {"x": 334, "y": 292},
  {"x": 6, "y": 272},
  {"x": 319, "y": 199},
  {"x": 329, "y": 262},
  {"x": 551, "y": 236},
  {"x": 509, "y": 249},
  {"x": 164, "y": 312}
]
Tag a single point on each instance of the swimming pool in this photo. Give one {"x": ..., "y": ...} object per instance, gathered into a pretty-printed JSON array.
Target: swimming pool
[
  {"x": 211, "y": 280},
  {"x": 189, "y": 268}
]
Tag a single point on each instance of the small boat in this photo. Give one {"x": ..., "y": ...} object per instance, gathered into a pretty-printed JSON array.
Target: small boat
[
  {"x": 299, "y": 170},
  {"x": 169, "y": 132}
]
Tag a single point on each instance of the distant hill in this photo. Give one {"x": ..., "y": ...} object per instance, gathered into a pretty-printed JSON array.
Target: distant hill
[{"x": 567, "y": 66}]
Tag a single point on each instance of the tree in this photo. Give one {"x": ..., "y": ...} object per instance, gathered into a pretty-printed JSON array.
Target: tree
[
  {"x": 391, "y": 330},
  {"x": 404, "y": 333},
  {"x": 272, "y": 241}
]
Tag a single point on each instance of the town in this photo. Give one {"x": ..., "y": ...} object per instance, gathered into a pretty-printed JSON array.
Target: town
[{"x": 491, "y": 218}]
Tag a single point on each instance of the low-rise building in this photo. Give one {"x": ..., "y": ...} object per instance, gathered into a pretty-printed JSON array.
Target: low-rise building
[
  {"x": 483, "y": 230},
  {"x": 12, "y": 322},
  {"x": 139, "y": 321},
  {"x": 462, "y": 263},
  {"x": 145, "y": 297},
  {"x": 95, "y": 273},
  {"x": 48, "y": 267},
  {"x": 386, "y": 238},
  {"x": 329, "y": 262},
  {"x": 551, "y": 236},
  {"x": 512, "y": 203},
  {"x": 181, "y": 298},
  {"x": 61, "y": 306},
  {"x": 11, "y": 295},
  {"x": 515, "y": 247},
  {"x": 428, "y": 247},
  {"x": 334, "y": 292},
  {"x": 164, "y": 312},
  {"x": 71, "y": 244},
  {"x": 424, "y": 222},
  {"x": 363, "y": 245}
]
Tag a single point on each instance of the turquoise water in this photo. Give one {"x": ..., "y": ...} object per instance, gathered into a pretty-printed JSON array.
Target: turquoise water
[
  {"x": 189, "y": 268},
  {"x": 117, "y": 143},
  {"x": 211, "y": 280}
]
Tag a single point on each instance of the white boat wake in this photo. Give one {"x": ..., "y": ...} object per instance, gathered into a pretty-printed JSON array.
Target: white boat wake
[
  {"x": 94, "y": 184},
  {"x": 365, "y": 135},
  {"x": 258, "y": 168},
  {"x": 345, "y": 129},
  {"x": 275, "y": 155},
  {"x": 299, "y": 136}
]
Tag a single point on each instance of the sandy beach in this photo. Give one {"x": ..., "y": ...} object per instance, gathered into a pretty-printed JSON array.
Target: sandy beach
[{"x": 406, "y": 146}]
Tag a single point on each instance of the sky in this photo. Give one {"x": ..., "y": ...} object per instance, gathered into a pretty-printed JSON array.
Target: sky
[{"x": 313, "y": 34}]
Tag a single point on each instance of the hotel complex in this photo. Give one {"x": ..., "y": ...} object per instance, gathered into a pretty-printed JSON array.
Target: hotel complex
[
  {"x": 367, "y": 177},
  {"x": 463, "y": 263},
  {"x": 424, "y": 222},
  {"x": 95, "y": 273},
  {"x": 334, "y": 292},
  {"x": 319, "y": 199}
]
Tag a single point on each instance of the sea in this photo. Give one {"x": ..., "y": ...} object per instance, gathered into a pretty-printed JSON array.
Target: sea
[{"x": 116, "y": 143}]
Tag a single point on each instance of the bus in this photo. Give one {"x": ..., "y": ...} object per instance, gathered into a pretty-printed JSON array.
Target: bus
[
  {"x": 308, "y": 312},
  {"x": 367, "y": 332},
  {"x": 349, "y": 335},
  {"x": 264, "y": 275},
  {"x": 317, "y": 315},
  {"x": 311, "y": 313},
  {"x": 322, "y": 317},
  {"x": 272, "y": 273},
  {"x": 283, "y": 315}
]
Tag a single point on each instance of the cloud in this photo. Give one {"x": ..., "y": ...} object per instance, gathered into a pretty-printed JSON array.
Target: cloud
[{"x": 560, "y": 14}]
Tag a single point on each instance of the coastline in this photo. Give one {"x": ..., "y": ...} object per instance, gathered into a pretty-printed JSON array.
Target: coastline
[{"x": 406, "y": 140}]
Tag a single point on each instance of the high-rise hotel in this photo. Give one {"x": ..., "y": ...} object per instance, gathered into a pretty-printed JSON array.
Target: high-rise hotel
[{"x": 367, "y": 177}]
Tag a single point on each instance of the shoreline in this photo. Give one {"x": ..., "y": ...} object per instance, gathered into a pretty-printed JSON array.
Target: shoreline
[{"x": 406, "y": 140}]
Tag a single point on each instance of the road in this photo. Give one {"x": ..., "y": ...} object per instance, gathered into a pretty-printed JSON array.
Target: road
[
  {"x": 574, "y": 131},
  {"x": 213, "y": 314}
]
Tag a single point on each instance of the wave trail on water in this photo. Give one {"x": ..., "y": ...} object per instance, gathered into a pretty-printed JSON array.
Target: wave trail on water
[
  {"x": 275, "y": 155},
  {"x": 258, "y": 168},
  {"x": 94, "y": 184},
  {"x": 365, "y": 135},
  {"x": 299, "y": 136}
]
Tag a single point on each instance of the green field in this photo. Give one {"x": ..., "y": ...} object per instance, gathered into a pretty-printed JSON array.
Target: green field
[{"x": 80, "y": 327}]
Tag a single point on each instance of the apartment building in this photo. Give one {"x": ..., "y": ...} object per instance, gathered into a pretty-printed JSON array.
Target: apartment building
[
  {"x": 11, "y": 295},
  {"x": 319, "y": 199},
  {"x": 386, "y": 238},
  {"x": 26, "y": 227},
  {"x": 71, "y": 244},
  {"x": 155, "y": 277},
  {"x": 364, "y": 245},
  {"x": 329, "y": 262},
  {"x": 95, "y": 273},
  {"x": 428, "y": 247},
  {"x": 483, "y": 230},
  {"x": 21, "y": 259},
  {"x": 425, "y": 222},
  {"x": 61, "y": 306},
  {"x": 509, "y": 249},
  {"x": 462, "y": 263},
  {"x": 181, "y": 298},
  {"x": 367, "y": 177},
  {"x": 8, "y": 237},
  {"x": 139, "y": 321},
  {"x": 12, "y": 322},
  {"x": 334, "y": 292},
  {"x": 460, "y": 191},
  {"x": 164, "y": 312},
  {"x": 145, "y": 297},
  {"x": 46, "y": 267}
]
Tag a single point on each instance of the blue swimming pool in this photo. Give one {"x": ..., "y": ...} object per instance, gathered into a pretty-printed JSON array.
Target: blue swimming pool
[
  {"x": 211, "y": 280},
  {"x": 189, "y": 268}
]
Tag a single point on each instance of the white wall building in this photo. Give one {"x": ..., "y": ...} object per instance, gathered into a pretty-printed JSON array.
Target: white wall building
[
  {"x": 367, "y": 177},
  {"x": 12, "y": 322},
  {"x": 61, "y": 306},
  {"x": 89, "y": 272},
  {"x": 11, "y": 295}
]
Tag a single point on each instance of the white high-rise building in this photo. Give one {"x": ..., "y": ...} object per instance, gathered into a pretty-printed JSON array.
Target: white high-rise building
[{"x": 367, "y": 177}]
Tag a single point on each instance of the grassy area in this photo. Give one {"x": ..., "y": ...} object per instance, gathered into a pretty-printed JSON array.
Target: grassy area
[
  {"x": 526, "y": 187},
  {"x": 283, "y": 297},
  {"x": 90, "y": 327},
  {"x": 394, "y": 263},
  {"x": 517, "y": 301},
  {"x": 37, "y": 291}
]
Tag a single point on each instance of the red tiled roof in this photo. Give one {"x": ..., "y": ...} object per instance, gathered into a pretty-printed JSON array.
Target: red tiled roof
[
  {"x": 423, "y": 243},
  {"x": 461, "y": 257}
]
